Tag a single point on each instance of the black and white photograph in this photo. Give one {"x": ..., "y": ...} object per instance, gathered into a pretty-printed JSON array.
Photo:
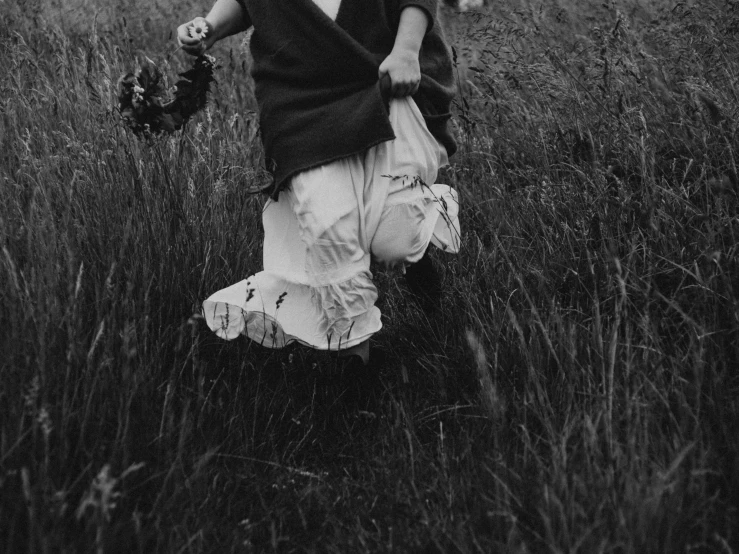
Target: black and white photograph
[{"x": 369, "y": 276}]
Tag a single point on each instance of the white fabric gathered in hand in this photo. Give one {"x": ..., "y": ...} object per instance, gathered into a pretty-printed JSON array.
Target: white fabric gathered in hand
[
  {"x": 319, "y": 239},
  {"x": 331, "y": 7}
]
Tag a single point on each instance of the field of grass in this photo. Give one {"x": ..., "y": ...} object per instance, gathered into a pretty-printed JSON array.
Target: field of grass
[{"x": 579, "y": 391}]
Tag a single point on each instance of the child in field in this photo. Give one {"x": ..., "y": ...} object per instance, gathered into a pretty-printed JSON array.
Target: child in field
[{"x": 354, "y": 99}]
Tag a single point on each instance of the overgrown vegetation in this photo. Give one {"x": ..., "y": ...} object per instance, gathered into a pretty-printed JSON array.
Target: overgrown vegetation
[{"x": 579, "y": 391}]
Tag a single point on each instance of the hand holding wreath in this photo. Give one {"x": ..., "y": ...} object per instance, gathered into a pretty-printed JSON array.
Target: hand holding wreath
[{"x": 196, "y": 36}]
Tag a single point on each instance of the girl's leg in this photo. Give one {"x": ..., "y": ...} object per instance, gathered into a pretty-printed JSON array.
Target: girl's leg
[
  {"x": 415, "y": 209},
  {"x": 409, "y": 208},
  {"x": 328, "y": 203},
  {"x": 316, "y": 287}
]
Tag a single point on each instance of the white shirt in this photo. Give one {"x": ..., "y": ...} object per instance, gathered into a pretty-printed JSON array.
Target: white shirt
[{"x": 331, "y": 7}]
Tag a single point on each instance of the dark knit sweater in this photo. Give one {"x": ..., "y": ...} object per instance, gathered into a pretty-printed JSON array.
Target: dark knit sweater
[{"x": 316, "y": 79}]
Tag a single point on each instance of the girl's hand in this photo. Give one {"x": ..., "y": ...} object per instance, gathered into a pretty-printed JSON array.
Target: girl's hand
[
  {"x": 196, "y": 36},
  {"x": 400, "y": 73}
]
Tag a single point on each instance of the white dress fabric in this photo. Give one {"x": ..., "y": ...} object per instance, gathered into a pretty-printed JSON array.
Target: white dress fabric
[
  {"x": 316, "y": 287},
  {"x": 331, "y": 7}
]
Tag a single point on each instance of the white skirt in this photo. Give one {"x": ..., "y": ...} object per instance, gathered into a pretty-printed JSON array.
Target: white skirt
[{"x": 316, "y": 287}]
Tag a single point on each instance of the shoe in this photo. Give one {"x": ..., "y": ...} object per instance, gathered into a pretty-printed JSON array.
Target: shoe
[
  {"x": 424, "y": 282},
  {"x": 360, "y": 383}
]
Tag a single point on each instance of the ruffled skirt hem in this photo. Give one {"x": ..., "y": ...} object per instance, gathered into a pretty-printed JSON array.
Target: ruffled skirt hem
[{"x": 274, "y": 311}]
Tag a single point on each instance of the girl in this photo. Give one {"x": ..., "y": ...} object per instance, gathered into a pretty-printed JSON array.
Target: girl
[{"x": 354, "y": 99}]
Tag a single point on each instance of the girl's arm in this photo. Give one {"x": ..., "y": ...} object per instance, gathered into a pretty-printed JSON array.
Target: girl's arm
[
  {"x": 226, "y": 18},
  {"x": 401, "y": 72}
]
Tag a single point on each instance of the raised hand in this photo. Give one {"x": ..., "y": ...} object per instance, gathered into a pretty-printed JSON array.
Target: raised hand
[
  {"x": 400, "y": 73},
  {"x": 196, "y": 36}
]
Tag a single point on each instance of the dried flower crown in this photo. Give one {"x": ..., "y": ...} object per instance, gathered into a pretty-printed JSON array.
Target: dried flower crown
[{"x": 149, "y": 108}]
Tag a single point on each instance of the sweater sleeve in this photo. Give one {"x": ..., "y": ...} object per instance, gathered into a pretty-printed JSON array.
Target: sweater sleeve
[
  {"x": 245, "y": 13},
  {"x": 428, "y": 6}
]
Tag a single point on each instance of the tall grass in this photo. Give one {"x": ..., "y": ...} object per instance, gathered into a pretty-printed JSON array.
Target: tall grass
[{"x": 577, "y": 393}]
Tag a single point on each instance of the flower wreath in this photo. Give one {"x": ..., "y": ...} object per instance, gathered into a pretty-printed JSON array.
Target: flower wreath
[{"x": 149, "y": 109}]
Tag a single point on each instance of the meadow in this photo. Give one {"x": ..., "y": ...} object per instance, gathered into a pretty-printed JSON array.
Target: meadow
[{"x": 578, "y": 392}]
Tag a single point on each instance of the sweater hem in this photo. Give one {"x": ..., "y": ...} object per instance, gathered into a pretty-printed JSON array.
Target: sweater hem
[{"x": 276, "y": 187}]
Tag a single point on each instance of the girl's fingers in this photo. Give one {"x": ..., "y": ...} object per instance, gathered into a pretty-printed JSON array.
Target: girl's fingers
[
  {"x": 398, "y": 87},
  {"x": 194, "y": 45},
  {"x": 400, "y": 90},
  {"x": 183, "y": 35},
  {"x": 194, "y": 50},
  {"x": 188, "y": 43},
  {"x": 386, "y": 85}
]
